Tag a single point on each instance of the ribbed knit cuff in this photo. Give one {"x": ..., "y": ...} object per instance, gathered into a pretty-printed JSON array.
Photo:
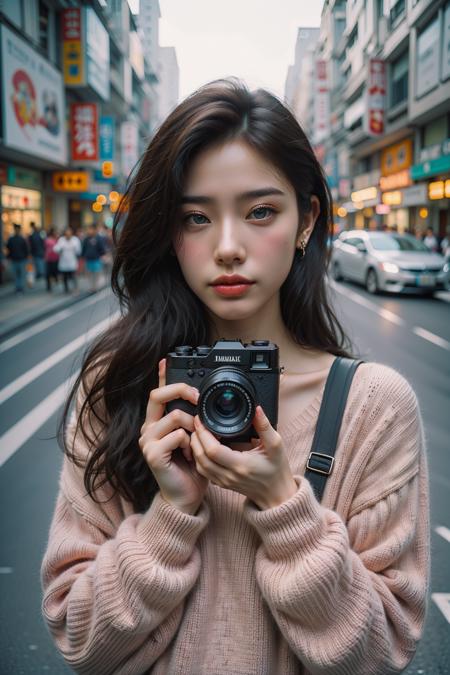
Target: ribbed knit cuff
[
  {"x": 171, "y": 533},
  {"x": 291, "y": 527}
]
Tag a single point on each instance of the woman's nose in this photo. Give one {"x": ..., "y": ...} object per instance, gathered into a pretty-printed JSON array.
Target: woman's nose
[{"x": 229, "y": 246}]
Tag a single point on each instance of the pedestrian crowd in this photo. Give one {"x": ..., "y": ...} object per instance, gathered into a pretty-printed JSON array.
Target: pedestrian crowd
[{"x": 59, "y": 257}]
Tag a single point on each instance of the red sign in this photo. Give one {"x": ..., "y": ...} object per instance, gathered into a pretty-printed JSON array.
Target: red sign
[
  {"x": 376, "y": 92},
  {"x": 84, "y": 131},
  {"x": 71, "y": 24}
]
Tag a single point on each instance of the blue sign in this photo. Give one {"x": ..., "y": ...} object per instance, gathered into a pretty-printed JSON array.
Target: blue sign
[{"x": 106, "y": 134}]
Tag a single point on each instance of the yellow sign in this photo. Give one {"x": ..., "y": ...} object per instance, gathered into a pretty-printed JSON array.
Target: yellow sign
[
  {"x": 396, "y": 180},
  {"x": 393, "y": 198},
  {"x": 107, "y": 169},
  {"x": 438, "y": 189},
  {"x": 71, "y": 181},
  {"x": 73, "y": 62},
  {"x": 397, "y": 157}
]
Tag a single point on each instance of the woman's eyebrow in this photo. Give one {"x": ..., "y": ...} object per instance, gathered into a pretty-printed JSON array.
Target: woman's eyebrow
[{"x": 262, "y": 192}]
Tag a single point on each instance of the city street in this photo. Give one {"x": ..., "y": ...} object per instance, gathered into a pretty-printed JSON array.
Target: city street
[{"x": 408, "y": 333}]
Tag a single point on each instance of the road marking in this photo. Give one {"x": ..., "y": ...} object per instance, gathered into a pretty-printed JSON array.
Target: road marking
[
  {"x": 22, "y": 431},
  {"x": 390, "y": 316},
  {"x": 431, "y": 337},
  {"x": 442, "y": 600},
  {"x": 53, "y": 359},
  {"x": 443, "y": 531},
  {"x": 46, "y": 323}
]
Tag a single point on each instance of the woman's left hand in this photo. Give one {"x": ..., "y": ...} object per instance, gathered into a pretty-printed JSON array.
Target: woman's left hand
[{"x": 262, "y": 473}]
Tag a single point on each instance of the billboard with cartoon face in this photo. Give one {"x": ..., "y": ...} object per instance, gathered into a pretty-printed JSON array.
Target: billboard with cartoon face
[{"x": 33, "y": 101}]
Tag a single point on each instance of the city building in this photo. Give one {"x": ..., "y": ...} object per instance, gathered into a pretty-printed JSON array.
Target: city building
[
  {"x": 381, "y": 123},
  {"x": 79, "y": 102}
]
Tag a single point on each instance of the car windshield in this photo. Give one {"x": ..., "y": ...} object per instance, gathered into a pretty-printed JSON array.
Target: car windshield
[{"x": 397, "y": 242}]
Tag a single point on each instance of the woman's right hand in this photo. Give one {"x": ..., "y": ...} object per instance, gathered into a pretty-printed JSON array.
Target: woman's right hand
[{"x": 179, "y": 482}]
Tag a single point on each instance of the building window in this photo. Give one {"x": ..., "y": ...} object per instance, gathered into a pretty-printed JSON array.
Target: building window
[
  {"x": 399, "y": 79},
  {"x": 352, "y": 38},
  {"x": 397, "y": 12},
  {"x": 43, "y": 25}
]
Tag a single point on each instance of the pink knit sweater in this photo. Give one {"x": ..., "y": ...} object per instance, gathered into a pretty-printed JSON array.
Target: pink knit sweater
[{"x": 332, "y": 588}]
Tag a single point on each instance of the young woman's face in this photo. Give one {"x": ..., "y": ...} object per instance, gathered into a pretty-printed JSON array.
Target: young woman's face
[{"x": 239, "y": 217}]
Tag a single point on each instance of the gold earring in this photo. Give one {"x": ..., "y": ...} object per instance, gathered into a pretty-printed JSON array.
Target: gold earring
[{"x": 302, "y": 247}]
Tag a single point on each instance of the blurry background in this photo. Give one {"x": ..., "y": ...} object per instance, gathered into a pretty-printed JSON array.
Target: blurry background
[{"x": 85, "y": 84}]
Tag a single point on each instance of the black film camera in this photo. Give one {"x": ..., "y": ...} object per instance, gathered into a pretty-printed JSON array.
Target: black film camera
[{"x": 232, "y": 378}]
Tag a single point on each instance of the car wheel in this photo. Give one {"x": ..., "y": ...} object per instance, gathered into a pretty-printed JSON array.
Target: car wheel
[
  {"x": 372, "y": 282},
  {"x": 336, "y": 272}
]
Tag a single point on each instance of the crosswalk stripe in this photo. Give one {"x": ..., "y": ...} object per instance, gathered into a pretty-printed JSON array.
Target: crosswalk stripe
[
  {"x": 53, "y": 359},
  {"x": 22, "y": 431}
]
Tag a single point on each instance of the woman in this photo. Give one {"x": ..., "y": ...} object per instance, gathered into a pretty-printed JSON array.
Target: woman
[
  {"x": 172, "y": 552},
  {"x": 51, "y": 258},
  {"x": 69, "y": 249}
]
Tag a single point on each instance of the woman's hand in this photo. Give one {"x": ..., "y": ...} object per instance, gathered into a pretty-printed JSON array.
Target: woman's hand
[
  {"x": 165, "y": 444},
  {"x": 262, "y": 473}
]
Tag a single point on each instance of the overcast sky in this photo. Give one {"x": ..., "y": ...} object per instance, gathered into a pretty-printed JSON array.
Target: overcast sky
[{"x": 252, "y": 39}]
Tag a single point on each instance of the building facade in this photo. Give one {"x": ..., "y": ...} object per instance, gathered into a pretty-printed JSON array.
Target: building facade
[
  {"x": 79, "y": 103},
  {"x": 384, "y": 140}
]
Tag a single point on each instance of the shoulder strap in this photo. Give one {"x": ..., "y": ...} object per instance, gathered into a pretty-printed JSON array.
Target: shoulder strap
[{"x": 321, "y": 458}]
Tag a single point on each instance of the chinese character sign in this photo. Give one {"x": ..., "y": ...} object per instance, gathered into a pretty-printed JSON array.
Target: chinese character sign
[
  {"x": 321, "y": 103},
  {"x": 107, "y": 133},
  {"x": 376, "y": 93},
  {"x": 84, "y": 130},
  {"x": 72, "y": 47}
]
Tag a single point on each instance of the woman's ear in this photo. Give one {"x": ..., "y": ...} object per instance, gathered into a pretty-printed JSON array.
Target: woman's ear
[{"x": 309, "y": 220}]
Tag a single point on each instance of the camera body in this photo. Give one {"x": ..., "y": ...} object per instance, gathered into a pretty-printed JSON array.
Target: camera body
[{"x": 233, "y": 378}]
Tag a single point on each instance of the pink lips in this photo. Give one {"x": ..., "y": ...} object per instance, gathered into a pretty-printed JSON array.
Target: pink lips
[{"x": 232, "y": 285}]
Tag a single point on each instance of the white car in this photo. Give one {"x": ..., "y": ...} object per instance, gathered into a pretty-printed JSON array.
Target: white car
[{"x": 387, "y": 261}]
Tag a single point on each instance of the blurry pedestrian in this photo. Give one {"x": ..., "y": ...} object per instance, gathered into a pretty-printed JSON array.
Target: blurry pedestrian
[
  {"x": 37, "y": 250},
  {"x": 18, "y": 252},
  {"x": 173, "y": 550},
  {"x": 92, "y": 250},
  {"x": 51, "y": 258},
  {"x": 445, "y": 245},
  {"x": 69, "y": 249},
  {"x": 430, "y": 240}
]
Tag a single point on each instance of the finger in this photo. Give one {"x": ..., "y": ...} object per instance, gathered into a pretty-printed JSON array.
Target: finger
[
  {"x": 162, "y": 372},
  {"x": 158, "y": 454},
  {"x": 267, "y": 434},
  {"x": 214, "y": 450},
  {"x": 173, "y": 420},
  {"x": 169, "y": 392},
  {"x": 206, "y": 467}
]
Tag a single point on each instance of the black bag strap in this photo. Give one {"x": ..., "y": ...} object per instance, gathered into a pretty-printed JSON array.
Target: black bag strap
[{"x": 321, "y": 458}]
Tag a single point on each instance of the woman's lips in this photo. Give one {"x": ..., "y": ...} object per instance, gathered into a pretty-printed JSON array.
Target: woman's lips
[{"x": 232, "y": 290}]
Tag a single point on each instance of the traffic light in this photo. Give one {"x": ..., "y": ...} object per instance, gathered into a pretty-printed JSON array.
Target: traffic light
[{"x": 107, "y": 169}]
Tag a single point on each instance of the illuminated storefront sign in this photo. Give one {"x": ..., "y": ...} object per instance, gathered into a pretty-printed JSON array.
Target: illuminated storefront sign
[
  {"x": 397, "y": 158},
  {"x": 396, "y": 180},
  {"x": 84, "y": 131},
  {"x": 439, "y": 189},
  {"x": 376, "y": 93},
  {"x": 70, "y": 181}
]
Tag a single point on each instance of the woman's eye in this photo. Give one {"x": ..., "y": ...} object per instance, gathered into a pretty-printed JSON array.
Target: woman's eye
[
  {"x": 195, "y": 219},
  {"x": 262, "y": 212}
]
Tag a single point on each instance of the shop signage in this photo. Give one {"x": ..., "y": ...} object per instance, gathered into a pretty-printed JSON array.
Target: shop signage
[
  {"x": 85, "y": 51},
  {"x": 72, "y": 47},
  {"x": 84, "y": 131},
  {"x": 26, "y": 178},
  {"x": 396, "y": 157},
  {"x": 435, "y": 151},
  {"x": 367, "y": 195},
  {"x": 427, "y": 58},
  {"x": 70, "y": 181},
  {"x": 430, "y": 168},
  {"x": 393, "y": 198},
  {"x": 321, "y": 103},
  {"x": 106, "y": 135},
  {"x": 396, "y": 180},
  {"x": 129, "y": 141},
  {"x": 376, "y": 93},
  {"x": 415, "y": 195},
  {"x": 33, "y": 101},
  {"x": 97, "y": 54},
  {"x": 365, "y": 180},
  {"x": 439, "y": 189}
]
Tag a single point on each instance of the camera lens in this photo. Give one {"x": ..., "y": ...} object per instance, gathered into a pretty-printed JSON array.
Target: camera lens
[{"x": 227, "y": 402}]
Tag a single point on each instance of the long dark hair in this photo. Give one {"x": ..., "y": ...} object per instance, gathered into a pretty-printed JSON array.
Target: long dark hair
[{"x": 158, "y": 309}]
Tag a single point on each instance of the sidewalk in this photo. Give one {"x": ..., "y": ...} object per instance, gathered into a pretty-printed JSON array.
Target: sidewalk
[{"x": 20, "y": 310}]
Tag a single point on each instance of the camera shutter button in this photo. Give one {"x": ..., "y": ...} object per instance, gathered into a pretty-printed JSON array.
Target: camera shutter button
[
  {"x": 183, "y": 350},
  {"x": 260, "y": 343}
]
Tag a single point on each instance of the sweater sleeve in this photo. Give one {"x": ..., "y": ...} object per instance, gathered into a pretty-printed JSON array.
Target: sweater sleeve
[
  {"x": 350, "y": 597},
  {"x": 114, "y": 584}
]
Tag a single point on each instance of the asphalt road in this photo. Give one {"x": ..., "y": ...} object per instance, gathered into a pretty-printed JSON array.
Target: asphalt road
[{"x": 410, "y": 334}]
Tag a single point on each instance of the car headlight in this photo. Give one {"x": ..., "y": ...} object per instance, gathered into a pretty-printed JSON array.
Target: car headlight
[{"x": 390, "y": 267}]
